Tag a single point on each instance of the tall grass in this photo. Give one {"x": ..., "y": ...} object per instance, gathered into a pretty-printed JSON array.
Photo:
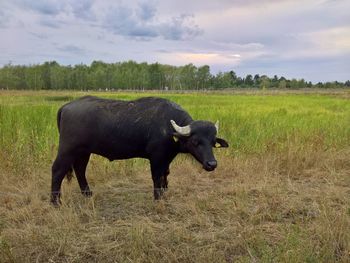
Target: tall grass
[{"x": 252, "y": 124}]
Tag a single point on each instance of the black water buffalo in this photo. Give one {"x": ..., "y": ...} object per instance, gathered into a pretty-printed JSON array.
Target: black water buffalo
[{"x": 152, "y": 128}]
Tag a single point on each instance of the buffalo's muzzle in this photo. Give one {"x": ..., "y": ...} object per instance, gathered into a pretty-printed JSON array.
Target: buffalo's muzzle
[{"x": 210, "y": 165}]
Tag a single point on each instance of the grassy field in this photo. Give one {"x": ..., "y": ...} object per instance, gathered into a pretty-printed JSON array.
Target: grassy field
[{"x": 281, "y": 192}]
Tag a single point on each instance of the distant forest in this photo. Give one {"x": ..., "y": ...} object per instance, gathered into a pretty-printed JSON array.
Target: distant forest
[{"x": 131, "y": 75}]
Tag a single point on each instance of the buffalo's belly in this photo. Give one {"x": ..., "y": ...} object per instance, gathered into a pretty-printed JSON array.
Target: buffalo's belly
[{"x": 119, "y": 151}]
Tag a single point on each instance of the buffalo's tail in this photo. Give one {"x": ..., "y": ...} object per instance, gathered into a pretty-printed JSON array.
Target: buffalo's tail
[
  {"x": 69, "y": 174},
  {"x": 59, "y": 118}
]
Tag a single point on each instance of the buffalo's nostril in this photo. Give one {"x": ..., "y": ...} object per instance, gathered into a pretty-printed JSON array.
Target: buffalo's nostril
[{"x": 212, "y": 164}]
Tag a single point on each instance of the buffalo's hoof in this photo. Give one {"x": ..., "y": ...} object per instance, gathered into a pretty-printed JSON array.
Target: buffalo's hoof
[
  {"x": 55, "y": 203},
  {"x": 55, "y": 199},
  {"x": 158, "y": 194},
  {"x": 87, "y": 193}
]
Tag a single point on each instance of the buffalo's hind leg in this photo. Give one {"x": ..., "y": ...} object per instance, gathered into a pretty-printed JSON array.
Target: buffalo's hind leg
[
  {"x": 79, "y": 166},
  {"x": 61, "y": 166}
]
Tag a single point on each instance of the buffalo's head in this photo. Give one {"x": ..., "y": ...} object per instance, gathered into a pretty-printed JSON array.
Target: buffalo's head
[{"x": 198, "y": 139}]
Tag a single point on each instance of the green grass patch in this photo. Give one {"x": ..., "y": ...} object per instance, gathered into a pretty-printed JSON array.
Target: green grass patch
[{"x": 252, "y": 124}]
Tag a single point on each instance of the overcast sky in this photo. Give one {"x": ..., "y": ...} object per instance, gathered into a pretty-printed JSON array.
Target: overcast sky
[{"x": 307, "y": 39}]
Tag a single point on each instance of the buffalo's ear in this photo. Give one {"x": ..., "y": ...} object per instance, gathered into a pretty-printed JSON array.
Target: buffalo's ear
[
  {"x": 176, "y": 136},
  {"x": 221, "y": 143}
]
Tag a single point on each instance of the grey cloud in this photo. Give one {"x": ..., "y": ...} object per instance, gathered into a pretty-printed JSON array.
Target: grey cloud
[
  {"x": 41, "y": 6},
  {"x": 143, "y": 23},
  {"x": 71, "y": 49},
  {"x": 283, "y": 31},
  {"x": 80, "y": 9},
  {"x": 123, "y": 21},
  {"x": 83, "y": 9},
  {"x": 50, "y": 22},
  {"x": 311, "y": 69},
  {"x": 179, "y": 28},
  {"x": 139, "y": 21},
  {"x": 3, "y": 18},
  {"x": 332, "y": 2},
  {"x": 195, "y": 6},
  {"x": 146, "y": 11},
  {"x": 39, "y": 35},
  {"x": 162, "y": 50}
]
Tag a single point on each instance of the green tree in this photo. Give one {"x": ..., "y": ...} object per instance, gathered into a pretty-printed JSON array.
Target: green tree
[
  {"x": 188, "y": 76},
  {"x": 156, "y": 78},
  {"x": 224, "y": 80},
  {"x": 294, "y": 84},
  {"x": 264, "y": 82},
  {"x": 46, "y": 73},
  {"x": 274, "y": 82},
  {"x": 248, "y": 81},
  {"x": 256, "y": 80},
  {"x": 203, "y": 77},
  {"x": 133, "y": 75},
  {"x": 282, "y": 84}
]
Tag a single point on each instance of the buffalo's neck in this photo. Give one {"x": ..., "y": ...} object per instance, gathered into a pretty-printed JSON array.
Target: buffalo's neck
[{"x": 181, "y": 148}]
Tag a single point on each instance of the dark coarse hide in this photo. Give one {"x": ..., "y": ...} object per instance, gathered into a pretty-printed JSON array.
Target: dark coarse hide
[{"x": 152, "y": 128}]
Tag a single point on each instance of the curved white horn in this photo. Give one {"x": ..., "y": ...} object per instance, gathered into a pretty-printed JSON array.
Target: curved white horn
[
  {"x": 217, "y": 126},
  {"x": 185, "y": 130}
]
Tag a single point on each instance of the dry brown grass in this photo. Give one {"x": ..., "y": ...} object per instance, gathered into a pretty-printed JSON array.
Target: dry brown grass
[{"x": 284, "y": 207}]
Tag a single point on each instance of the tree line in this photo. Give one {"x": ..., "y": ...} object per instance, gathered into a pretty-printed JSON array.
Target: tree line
[{"x": 131, "y": 75}]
